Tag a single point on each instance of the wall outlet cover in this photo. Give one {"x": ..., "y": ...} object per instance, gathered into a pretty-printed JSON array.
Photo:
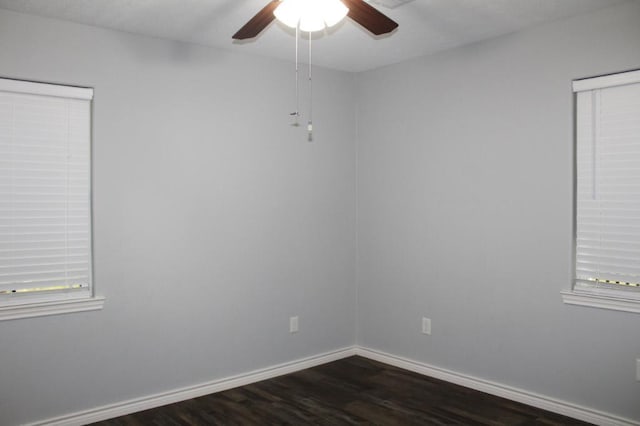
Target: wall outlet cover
[
  {"x": 426, "y": 326},
  {"x": 293, "y": 325}
]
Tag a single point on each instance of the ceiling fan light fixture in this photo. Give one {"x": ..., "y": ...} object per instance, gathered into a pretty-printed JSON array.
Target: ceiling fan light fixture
[
  {"x": 334, "y": 11},
  {"x": 310, "y": 15},
  {"x": 288, "y": 12},
  {"x": 311, "y": 23}
]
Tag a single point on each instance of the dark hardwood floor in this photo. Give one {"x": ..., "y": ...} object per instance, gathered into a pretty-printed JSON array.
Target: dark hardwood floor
[{"x": 351, "y": 391}]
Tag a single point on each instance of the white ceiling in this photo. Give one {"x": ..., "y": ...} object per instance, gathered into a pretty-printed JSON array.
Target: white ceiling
[{"x": 426, "y": 26}]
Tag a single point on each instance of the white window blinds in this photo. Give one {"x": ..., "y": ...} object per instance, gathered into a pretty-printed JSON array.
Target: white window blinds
[
  {"x": 608, "y": 182},
  {"x": 45, "y": 207}
]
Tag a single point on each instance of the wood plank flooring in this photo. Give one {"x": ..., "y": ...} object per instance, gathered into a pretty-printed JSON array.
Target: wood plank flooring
[{"x": 352, "y": 391}]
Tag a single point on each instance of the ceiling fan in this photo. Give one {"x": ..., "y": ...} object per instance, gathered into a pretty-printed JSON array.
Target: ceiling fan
[{"x": 360, "y": 11}]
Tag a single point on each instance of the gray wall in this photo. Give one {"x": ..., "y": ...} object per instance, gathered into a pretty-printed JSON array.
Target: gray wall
[
  {"x": 465, "y": 213},
  {"x": 214, "y": 220}
]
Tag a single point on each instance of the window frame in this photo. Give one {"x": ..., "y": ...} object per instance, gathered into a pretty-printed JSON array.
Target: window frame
[
  {"x": 43, "y": 303},
  {"x": 597, "y": 295}
]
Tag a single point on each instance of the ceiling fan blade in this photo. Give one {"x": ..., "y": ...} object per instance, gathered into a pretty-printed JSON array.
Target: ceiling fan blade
[
  {"x": 369, "y": 17},
  {"x": 258, "y": 22}
]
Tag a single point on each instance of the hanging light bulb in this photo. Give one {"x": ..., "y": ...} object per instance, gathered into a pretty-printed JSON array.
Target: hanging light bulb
[{"x": 310, "y": 15}]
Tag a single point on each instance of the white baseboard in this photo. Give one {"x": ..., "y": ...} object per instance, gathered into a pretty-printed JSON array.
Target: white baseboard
[
  {"x": 497, "y": 389},
  {"x": 139, "y": 404},
  {"x": 134, "y": 405}
]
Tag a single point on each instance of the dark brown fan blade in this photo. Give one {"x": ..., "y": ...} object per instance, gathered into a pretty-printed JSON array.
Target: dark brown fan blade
[
  {"x": 369, "y": 17},
  {"x": 258, "y": 22}
]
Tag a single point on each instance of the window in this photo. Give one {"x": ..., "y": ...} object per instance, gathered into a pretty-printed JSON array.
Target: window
[
  {"x": 607, "y": 262},
  {"x": 45, "y": 199}
]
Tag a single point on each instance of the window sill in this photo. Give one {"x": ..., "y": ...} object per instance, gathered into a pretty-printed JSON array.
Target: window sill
[
  {"x": 30, "y": 310},
  {"x": 600, "y": 301}
]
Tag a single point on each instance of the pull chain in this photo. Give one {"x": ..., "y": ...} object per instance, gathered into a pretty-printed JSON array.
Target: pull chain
[
  {"x": 310, "y": 123},
  {"x": 296, "y": 113}
]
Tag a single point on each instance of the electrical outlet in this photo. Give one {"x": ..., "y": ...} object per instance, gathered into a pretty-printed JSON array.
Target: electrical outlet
[
  {"x": 426, "y": 326},
  {"x": 293, "y": 325},
  {"x": 638, "y": 369}
]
